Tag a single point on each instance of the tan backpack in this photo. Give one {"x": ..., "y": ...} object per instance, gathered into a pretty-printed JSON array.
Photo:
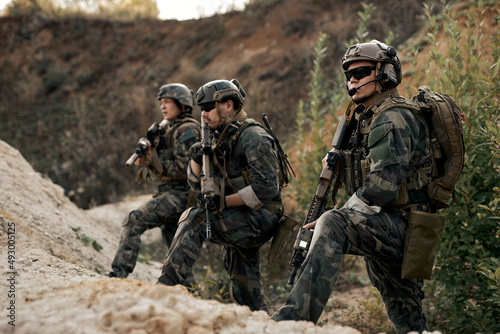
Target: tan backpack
[{"x": 444, "y": 122}]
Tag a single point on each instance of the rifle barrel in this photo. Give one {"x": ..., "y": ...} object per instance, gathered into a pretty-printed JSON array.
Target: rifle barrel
[{"x": 131, "y": 160}]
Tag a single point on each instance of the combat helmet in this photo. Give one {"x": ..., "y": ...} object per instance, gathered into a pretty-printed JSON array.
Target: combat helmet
[
  {"x": 388, "y": 66},
  {"x": 219, "y": 90},
  {"x": 179, "y": 92}
]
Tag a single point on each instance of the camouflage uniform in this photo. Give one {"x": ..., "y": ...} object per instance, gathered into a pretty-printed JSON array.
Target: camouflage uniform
[
  {"x": 392, "y": 149},
  {"x": 166, "y": 206},
  {"x": 241, "y": 230}
]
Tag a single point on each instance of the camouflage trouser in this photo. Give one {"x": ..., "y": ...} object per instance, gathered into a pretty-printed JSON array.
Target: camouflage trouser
[
  {"x": 162, "y": 211},
  {"x": 242, "y": 231},
  {"x": 380, "y": 239}
]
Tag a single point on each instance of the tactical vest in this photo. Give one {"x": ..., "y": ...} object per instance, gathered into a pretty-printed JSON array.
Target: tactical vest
[
  {"x": 228, "y": 185},
  {"x": 167, "y": 141},
  {"x": 165, "y": 151},
  {"x": 355, "y": 163}
]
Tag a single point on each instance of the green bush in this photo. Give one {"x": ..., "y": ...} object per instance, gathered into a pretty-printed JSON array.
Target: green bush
[
  {"x": 316, "y": 119},
  {"x": 86, "y": 78},
  {"x": 311, "y": 127},
  {"x": 204, "y": 59},
  {"x": 244, "y": 68},
  {"x": 53, "y": 79},
  {"x": 458, "y": 296}
]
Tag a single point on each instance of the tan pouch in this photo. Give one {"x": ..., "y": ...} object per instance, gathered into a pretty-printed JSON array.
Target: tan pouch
[
  {"x": 422, "y": 236},
  {"x": 191, "y": 199},
  {"x": 286, "y": 226}
]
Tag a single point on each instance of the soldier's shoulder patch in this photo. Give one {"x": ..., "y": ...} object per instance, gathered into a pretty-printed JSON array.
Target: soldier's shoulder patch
[{"x": 379, "y": 132}]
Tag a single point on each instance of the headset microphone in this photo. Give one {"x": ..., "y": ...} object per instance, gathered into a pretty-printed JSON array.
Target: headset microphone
[{"x": 353, "y": 90}]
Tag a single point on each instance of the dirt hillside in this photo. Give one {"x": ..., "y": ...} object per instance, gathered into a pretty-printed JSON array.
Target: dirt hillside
[
  {"x": 77, "y": 92},
  {"x": 55, "y": 274}
]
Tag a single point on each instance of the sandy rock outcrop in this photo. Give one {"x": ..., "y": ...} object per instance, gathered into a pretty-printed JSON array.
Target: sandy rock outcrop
[{"x": 56, "y": 279}]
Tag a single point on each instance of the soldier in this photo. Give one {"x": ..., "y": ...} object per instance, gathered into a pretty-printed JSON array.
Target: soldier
[
  {"x": 247, "y": 207},
  {"x": 167, "y": 164},
  {"x": 388, "y": 149}
]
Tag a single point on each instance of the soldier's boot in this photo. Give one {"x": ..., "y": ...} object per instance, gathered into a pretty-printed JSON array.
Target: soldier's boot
[
  {"x": 128, "y": 248},
  {"x": 241, "y": 294},
  {"x": 117, "y": 274}
]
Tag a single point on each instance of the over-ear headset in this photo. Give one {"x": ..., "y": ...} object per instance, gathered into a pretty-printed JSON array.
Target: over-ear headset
[{"x": 388, "y": 76}]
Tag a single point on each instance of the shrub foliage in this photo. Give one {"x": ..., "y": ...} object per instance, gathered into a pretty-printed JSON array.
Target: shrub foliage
[{"x": 460, "y": 297}]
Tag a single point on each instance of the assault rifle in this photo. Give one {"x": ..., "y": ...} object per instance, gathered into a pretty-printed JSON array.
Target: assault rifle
[
  {"x": 207, "y": 182},
  {"x": 347, "y": 124},
  {"x": 152, "y": 139}
]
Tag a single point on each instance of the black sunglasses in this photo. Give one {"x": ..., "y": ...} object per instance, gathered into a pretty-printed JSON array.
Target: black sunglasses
[
  {"x": 207, "y": 106},
  {"x": 359, "y": 72}
]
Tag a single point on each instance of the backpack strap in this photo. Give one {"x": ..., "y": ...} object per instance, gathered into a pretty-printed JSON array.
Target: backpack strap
[
  {"x": 240, "y": 122},
  {"x": 242, "y": 126},
  {"x": 233, "y": 138}
]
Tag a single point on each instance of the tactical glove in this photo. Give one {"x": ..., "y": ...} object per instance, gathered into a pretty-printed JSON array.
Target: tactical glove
[
  {"x": 213, "y": 204},
  {"x": 196, "y": 153}
]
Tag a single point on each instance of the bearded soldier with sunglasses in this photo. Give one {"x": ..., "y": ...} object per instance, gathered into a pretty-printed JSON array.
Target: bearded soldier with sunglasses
[
  {"x": 387, "y": 148},
  {"x": 247, "y": 206}
]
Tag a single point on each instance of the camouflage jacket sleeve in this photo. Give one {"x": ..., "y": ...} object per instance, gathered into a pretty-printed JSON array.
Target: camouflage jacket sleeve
[
  {"x": 257, "y": 147},
  {"x": 396, "y": 137},
  {"x": 193, "y": 180},
  {"x": 174, "y": 156}
]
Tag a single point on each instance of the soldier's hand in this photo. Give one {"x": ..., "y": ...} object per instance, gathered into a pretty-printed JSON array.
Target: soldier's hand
[
  {"x": 213, "y": 203},
  {"x": 196, "y": 153},
  {"x": 154, "y": 133},
  {"x": 324, "y": 162},
  {"x": 311, "y": 226},
  {"x": 145, "y": 159},
  {"x": 331, "y": 159}
]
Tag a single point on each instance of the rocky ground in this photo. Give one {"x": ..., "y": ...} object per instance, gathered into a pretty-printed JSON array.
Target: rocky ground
[{"x": 54, "y": 271}]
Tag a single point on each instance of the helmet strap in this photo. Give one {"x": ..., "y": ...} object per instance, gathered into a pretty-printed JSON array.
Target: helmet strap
[
  {"x": 222, "y": 120},
  {"x": 378, "y": 73}
]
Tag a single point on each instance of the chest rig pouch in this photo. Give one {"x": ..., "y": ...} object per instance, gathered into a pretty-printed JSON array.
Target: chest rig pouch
[
  {"x": 355, "y": 163},
  {"x": 222, "y": 149}
]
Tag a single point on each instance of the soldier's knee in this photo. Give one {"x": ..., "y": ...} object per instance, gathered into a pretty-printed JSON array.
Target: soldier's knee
[
  {"x": 133, "y": 218},
  {"x": 192, "y": 216},
  {"x": 332, "y": 219}
]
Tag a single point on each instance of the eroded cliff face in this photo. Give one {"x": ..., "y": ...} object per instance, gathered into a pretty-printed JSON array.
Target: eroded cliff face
[{"x": 78, "y": 92}]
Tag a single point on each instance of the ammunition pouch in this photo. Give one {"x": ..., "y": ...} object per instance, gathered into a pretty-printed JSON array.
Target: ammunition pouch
[
  {"x": 403, "y": 197},
  {"x": 355, "y": 170},
  {"x": 422, "y": 236},
  {"x": 191, "y": 200}
]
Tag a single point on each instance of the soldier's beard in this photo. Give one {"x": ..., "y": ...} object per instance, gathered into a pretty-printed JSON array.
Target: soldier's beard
[
  {"x": 223, "y": 120},
  {"x": 365, "y": 98}
]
